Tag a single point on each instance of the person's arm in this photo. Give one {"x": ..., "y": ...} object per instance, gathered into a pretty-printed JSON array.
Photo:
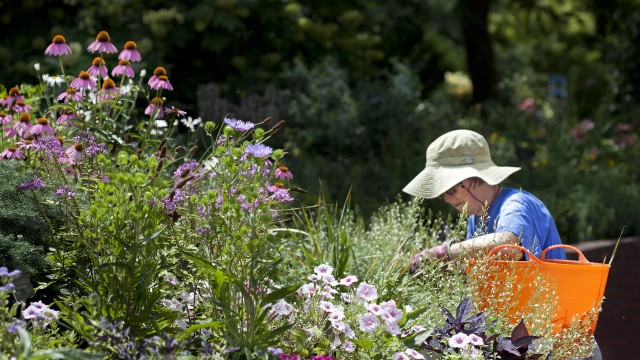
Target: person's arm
[
  {"x": 469, "y": 248},
  {"x": 483, "y": 244}
]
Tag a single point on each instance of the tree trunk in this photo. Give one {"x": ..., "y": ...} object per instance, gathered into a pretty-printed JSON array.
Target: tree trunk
[{"x": 474, "y": 19}]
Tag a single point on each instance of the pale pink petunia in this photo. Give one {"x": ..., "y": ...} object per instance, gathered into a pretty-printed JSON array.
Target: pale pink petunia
[
  {"x": 392, "y": 328},
  {"x": 366, "y": 292},
  {"x": 413, "y": 354},
  {"x": 400, "y": 356},
  {"x": 323, "y": 269},
  {"x": 459, "y": 340},
  {"x": 349, "y": 280},
  {"x": 369, "y": 323}
]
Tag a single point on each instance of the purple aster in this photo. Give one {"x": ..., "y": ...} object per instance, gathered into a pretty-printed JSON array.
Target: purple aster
[
  {"x": 239, "y": 125},
  {"x": 34, "y": 184},
  {"x": 98, "y": 68},
  {"x": 51, "y": 147},
  {"x": 64, "y": 191},
  {"x": 123, "y": 69},
  {"x": 258, "y": 150},
  {"x": 130, "y": 52},
  {"x": 102, "y": 44},
  {"x": 70, "y": 94},
  {"x": 58, "y": 47},
  {"x": 84, "y": 81},
  {"x": 13, "y": 327}
]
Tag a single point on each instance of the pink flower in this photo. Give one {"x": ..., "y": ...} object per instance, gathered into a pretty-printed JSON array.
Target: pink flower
[
  {"x": 366, "y": 292},
  {"x": 459, "y": 340},
  {"x": 123, "y": 69},
  {"x": 65, "y": 117},
  {"x": 109, "y": 90},
  {"x": 21, "y": 106},
  {"x": 12, "y": 153},
  {"x": 130, "y": 52},
  {"x": 98, "y": 68},
  {"x": 282, "y": 308},
  {"x": 369, "y": 323},
  {"x": 58, "y": 47},
  {"x": 527, "y": 105},
  {"x": 5, "y": 120},
  {"x": 400, "y": 356},
  {"x": 155, "y": 108},
  {"x": 23, "y": 125},
  {"x": 413, "y": 354},
  {"x": 349, "y": 280},
  {"x": 102, "y": 44},
  {"x": 476, "y": 340},
  {"x": 42, "y": 127},
  {"x": 159, "y": 80},
  {"x": 323, "y": 269},
  {"x": 283, "y": 172},
  {"x": 84, "y": 81},
  {"x": 348, "y": 346},
  {"x": 74, "y": 153},
  {"x": 623, "y": 127},
  {"x": 392, "y": 315},
  {"x": 70, "y": 94},
  {"x": 392, "y": 328}
]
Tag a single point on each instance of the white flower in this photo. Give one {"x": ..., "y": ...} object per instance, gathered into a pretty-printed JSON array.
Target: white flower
[
  {"x": 349, "y": 280},
  {"x": 369, "y": 323},
  {"x": 143, "y": 73},
  {"x": 191, "y": 123},
  {"x": 366, "y": 292},
  {"x": 392, "y": 328},
  {"x": 282, "y": 308},
  {"x": 323, "y": 269},
  {"x": 327, "y": 306},
  {"x": 161, "y": 124},
  {"x": 52, "y": 81},
  {"x": 392, "y": 315},
  {"x": 476, "y": 340},
  {"x": 400, "y": 356},
  {"x": 413, "y": 354},
  {"x": 211, "y": 163},
  {"x": 36, "y": 66},
  {"x": 348, "y": 347},
  {"x": 459, "y": 340}
]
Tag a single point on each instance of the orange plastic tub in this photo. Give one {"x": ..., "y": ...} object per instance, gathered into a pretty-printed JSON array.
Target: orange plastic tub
[{"x": 580, "y": 284}]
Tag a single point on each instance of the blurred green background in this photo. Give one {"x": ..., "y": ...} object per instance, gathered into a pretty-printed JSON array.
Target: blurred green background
[{"x": 365, "y": 86}]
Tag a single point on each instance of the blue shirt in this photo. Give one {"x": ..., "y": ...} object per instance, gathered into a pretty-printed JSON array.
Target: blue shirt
[{"x": 523, "y": 214}]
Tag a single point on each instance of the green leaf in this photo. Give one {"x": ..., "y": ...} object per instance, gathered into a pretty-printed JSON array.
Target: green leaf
[
  {"x": 73, "y": 354},
  {"x": 196, "y": 327},
  {"x": 278, "y": 294}
]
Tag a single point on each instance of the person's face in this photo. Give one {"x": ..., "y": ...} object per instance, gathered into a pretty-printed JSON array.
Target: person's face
[{"x": 459, "y": 196}]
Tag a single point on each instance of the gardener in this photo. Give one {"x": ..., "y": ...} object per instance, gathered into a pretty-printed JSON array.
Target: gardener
[{"x": 459, "y": 169}]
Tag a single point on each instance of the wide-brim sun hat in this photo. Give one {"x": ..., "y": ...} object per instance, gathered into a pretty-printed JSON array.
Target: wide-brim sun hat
[{"x": 453, "y": 157}]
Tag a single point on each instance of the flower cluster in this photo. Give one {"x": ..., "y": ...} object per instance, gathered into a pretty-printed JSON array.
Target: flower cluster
[
  {"x": 347, "y": 313},
  {"x": 40, "y": 314}
]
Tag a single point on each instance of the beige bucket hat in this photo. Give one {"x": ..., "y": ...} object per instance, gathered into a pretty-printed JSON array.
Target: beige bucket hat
[{"x": 453, "y": 157}]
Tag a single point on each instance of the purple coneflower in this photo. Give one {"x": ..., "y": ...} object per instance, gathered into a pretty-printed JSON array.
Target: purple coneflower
[
  {"x": 70, "y": 94},
  {"x": 42, "y": 127},
  {"x": 283, "y": 173},
  {"x": 84, "y": 81},
  {"x": 98, "y": 68},
  {"x": 58, "y": 47},
  {"x": 21, "y": 106},
  {"x": 25, "y": 144},
  {"x": 175, "y": 110},
  {"x": 159, "y": 80},
  {"x": 65, "y": 117},
  {"x": 239, "y": 125},
  {"x": 102, "y": 44},
  {"x": 23, "y": 125},
  {"x": 155, "y": 108},
  {"x": 5, "y": 119},
  {"x": 12, "y": 152},
  {"x": 109, "y": 89},
  {"x": 123, "y": 69},
  {"x": 13, "y": 97},
  {"x": 130, "y": 52},
  {"x": 258, "y": 150},
  {"x": 74, "y": 152}
]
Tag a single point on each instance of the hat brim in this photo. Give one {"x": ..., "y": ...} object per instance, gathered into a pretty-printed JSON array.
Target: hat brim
[{"x": 434, "y": 181}]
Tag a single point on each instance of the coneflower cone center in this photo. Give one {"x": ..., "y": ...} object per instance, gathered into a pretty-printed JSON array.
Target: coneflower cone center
[
  {"x": 24, "y": 117},
  {"x": 14, "y": 91},
  {"x": 97, "y": 62},
  {"x": 59, "y": 39},
  {"x": 43, "y": 121},
  {"x": 103, "y": 36},
  {"x": 156, "y": 101},
  {"x": 124, "y": 62},
  {"x": 108, "y": 84},
  {"x": 159, "y": 71},
  {"x": 78, "y": 147},
  {"x": 130, "y": 45},
  {"x": 84, "y": 75}
]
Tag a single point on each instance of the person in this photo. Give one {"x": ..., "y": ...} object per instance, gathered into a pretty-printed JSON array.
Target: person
[{"x": 460, "y": 170}]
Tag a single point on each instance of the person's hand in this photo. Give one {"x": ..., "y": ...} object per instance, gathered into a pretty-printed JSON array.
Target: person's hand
[{"x": 431, "y": 254}]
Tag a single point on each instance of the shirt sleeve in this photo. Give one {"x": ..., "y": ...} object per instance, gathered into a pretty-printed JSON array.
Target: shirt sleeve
[{"x": 517, "y": 217}]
